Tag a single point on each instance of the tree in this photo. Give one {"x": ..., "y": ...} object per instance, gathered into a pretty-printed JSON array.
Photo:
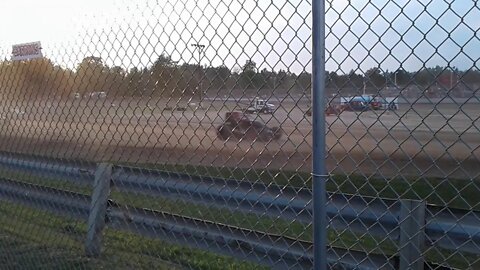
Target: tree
[
  {"x": 133, "y": 80},
  {"x": 471, "y": 76},
  {"x": 424, "y": 77},
  {"x": 354, "y": 80},
  {"x": 163, "y": 61},
  {"x": 189, "y": 79},
  {"x": 400, "y": 77},
  {"x": 249, "y": 66},
  {"x": 217, "y": 77},
  {"x": 117, "y": 70},
  {"x": 165, "y": 77},
  {"x": 304, "y": 81},
  {"x": 374, "y": 78},
  {"x": 91, "y": 75},
  {"x": 116, "y": 81},
  {"x": 281, "y": 79},
  {"x": 268, "y": 79},
  {"x": 249, "y": 78}
]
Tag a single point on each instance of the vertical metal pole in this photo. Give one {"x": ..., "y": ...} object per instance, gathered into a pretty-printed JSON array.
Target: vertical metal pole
[
  {"x": 364, "y": 86},
  {"x": 319, "y": 143},
  {"x": 412, "y": 235},
  {"x": 98, "y": 209}
]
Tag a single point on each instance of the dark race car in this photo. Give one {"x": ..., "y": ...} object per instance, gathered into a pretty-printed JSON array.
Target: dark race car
[{"x": 239, "y": 126}]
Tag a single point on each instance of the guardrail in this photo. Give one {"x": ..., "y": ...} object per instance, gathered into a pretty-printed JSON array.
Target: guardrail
[
  {"x": 449, "y": 228},
  {"x": 258, "y": 247}
]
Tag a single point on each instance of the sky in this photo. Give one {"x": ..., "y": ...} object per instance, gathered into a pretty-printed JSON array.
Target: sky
[{"x": 275, "y": 34}]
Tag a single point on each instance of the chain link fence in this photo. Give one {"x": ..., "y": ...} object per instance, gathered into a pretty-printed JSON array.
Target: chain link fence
[{"x": 179, "y": 134}]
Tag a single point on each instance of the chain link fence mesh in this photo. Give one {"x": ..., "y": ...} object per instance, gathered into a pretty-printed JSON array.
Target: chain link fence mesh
[
  {"x": 178, "y": 134},
  {"x": 417, "y": 59}
]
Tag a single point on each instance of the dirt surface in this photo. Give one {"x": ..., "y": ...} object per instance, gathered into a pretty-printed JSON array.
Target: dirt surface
[{"x": 439, "y": 140}]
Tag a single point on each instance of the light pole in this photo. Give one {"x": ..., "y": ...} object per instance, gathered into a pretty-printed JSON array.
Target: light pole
[
  {"x": 364, "y": 86},
  {"x": 200, "y": 48},
  {"x": 395, "y": 79}
]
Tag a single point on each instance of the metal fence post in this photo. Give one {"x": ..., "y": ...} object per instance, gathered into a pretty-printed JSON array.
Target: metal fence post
[
  {"x": 412, "y": 236},
  {"x": 98, "y": 208},
  {"x": 319, "y": 141}
]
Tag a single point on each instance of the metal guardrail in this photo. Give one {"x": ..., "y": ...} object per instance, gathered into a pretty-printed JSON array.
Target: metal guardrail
[
  {"x": 258, "y": 247},
  {"x": 379, "y": 216},
  {"x": 449, "y": 228}
]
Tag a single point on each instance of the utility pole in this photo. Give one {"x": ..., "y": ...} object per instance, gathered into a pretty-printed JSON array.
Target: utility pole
[{"x": 200, "y": 48}]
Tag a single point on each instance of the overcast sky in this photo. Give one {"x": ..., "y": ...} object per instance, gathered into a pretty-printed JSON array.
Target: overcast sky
[{"x": 276, "y": 34}]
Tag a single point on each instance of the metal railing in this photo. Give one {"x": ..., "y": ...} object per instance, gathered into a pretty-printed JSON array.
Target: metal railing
[
  {"x": 250, "y": 245},
  {"x": 446, "y": 228}
]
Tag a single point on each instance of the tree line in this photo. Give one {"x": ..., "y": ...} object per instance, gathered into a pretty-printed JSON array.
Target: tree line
[{"x": 166, "y": 78}]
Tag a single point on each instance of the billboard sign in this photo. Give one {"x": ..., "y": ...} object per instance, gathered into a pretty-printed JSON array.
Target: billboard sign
[{"x": 26, "y": 51}]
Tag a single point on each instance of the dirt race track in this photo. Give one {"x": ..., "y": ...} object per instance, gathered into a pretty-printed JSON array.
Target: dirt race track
[{"x": 421, "y": 139}]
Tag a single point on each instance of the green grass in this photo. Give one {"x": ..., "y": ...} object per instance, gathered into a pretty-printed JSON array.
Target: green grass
[
  {"x": 444, "y": 194},
  {"x": 21, "y": 254},
  {"x": 458, "y": 193},
  {"x": 239, "y": 219},
  {"x": 32, "y": 239}
]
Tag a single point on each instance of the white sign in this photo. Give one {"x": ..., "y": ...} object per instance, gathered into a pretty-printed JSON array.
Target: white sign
[{"x": 27, "y": 51}]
